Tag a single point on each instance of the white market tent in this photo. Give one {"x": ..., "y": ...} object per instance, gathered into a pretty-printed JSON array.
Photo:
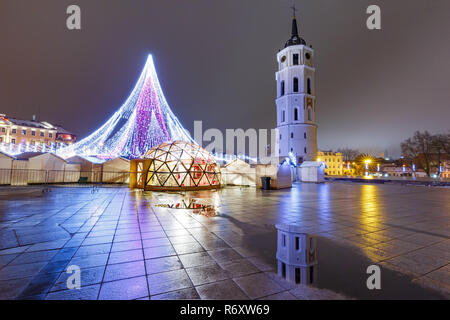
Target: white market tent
[
  {"x": 238, "y": 173},
  {"x": 6, "y": 162},
  {"x": 312, "y": 171},
  {"x": 116, "y": 171}
]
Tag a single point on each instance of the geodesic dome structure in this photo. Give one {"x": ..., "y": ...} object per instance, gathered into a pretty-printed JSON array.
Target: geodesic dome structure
[{"x": 181, "y": 165}]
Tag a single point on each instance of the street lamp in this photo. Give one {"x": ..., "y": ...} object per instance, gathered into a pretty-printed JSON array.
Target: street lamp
[{"x": 367, "y": 162}]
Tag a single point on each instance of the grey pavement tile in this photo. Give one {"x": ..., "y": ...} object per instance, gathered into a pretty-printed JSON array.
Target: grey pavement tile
[
  {"x": 153, "y": 235},
  {"x": 196, "y": 259},
  {"x": 124, "y": 270},
  {"x": 31, "y": 257},
  {"x": 258, "y": 285},
  {"x": 222, "y": 290},
  {"x": 7, "y": 258},
  {"x": 88, "y": 276},
  {"x": 185, "y": 248},
  {"x": 21, "y": 271},
  {"x": 93, "y": 249},
  {"x": 280, "y": 296},
  {"x": 85, "y": 293},
  {"x": 183, "y": 294},
  {"x": 127, "y": 289},
  {"x": 239, "y": 268},
  {"x": 206, "y": 274},
  {"x": 164, "y": 264},
  {"x": 158, "y": 252},
  {"x": 97, "y": 240},
  {"x": 155, "y": 242},
  {"x": 90, "y": 261},
  {"x": 126, "y": 245},
  {"x": 58, "y": 244},
  {"x": 168, "y": 281},
  {"x": 224, "y": 255},
  {"x": 126, "y": 256},
  {"x": 14, "y": 250},
  {"x": 9, "y": 289}
]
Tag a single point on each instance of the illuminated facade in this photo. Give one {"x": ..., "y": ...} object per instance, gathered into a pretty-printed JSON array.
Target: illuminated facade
[
  {"x": 296, "y": 100},
  {"x": 28, "y": 135},
  {"x": 334, "y": 162},
  {"x": 181, "y": 165}
]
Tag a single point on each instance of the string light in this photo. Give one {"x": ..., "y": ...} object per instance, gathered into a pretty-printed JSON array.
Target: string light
[{"x": 142, "y": 122}]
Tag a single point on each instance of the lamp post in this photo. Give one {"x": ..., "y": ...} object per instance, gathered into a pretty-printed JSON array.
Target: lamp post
[{"x": 367, "y": 162}]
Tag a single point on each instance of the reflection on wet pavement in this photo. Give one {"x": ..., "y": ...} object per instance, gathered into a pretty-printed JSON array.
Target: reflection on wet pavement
[{"x": 140, "y": 241}]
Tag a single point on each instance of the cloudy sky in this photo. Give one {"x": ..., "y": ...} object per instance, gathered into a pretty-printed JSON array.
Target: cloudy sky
[{"x": 216, "y": 62}]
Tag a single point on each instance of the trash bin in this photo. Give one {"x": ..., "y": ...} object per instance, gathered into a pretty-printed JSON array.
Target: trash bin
[{"x": 265, "y": 183}]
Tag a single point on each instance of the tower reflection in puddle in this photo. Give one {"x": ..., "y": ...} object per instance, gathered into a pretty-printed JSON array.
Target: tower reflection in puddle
[
  {"x": 206, "y": 204},
  {"x": 296, "y": 255}
]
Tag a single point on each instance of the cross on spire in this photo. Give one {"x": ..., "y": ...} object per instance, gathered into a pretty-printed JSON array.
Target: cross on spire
[{"x": 294, "y": 9}]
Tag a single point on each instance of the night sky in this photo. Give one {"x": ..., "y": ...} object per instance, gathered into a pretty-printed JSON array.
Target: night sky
[{"x": 216, "y": 62}]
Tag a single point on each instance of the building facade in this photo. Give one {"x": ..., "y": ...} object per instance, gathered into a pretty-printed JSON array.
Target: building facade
[
  {"x": 334, "y": 162},
  {"x": 29, "y": 132},
  {"x": 296, "y": 100}
]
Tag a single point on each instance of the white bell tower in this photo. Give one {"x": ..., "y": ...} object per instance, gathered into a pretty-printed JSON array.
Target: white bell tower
[{"x": 296, "y": 100}]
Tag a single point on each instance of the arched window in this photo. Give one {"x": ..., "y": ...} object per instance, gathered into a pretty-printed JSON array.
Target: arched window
[
  {"x": 308, "y": 86},
  {"x": 295, "y": 84},
  {"x": 309, "y": 114},
  {"x": 295, "y": 114},
  {"x": 282, "y": 88},
  {"x": 283, "y": 117}
]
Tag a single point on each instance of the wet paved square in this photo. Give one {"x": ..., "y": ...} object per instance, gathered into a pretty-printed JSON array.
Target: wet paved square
[{"x": 129, "y": 247}]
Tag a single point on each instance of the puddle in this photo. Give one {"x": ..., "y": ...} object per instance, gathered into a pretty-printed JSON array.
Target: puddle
[
  {"x": 197, "y": 203},
  {"x": 340, "y": 268}
]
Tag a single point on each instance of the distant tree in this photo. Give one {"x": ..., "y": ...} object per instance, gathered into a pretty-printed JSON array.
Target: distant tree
[
  {"x": 348, "y": 154},
  {"x": 360, "y": 163},
  {"x": 441, "y": 146},
  {"x": 420, "y": 148}
]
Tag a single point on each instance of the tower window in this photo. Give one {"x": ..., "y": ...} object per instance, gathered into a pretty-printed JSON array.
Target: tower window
[
  {"x": 292, "y": 149},
  {"x": 283, "y": 118},
  {"x": 292, "y": 135},
  {"x": 295, "y": 84},
  {"x": 296, "y": 114},
  {"x": 282, "y": 88},
  {"x": 309, "y": 114},
  {"x": 304, "y": 135},
  {"x": 295, "y": 58},
  {"x": 308, "y": 86},
  {"x": 305, "y": 150}
]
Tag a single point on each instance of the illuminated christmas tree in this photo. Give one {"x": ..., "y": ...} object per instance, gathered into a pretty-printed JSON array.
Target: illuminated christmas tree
[{"x": 145, "y": 120}]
